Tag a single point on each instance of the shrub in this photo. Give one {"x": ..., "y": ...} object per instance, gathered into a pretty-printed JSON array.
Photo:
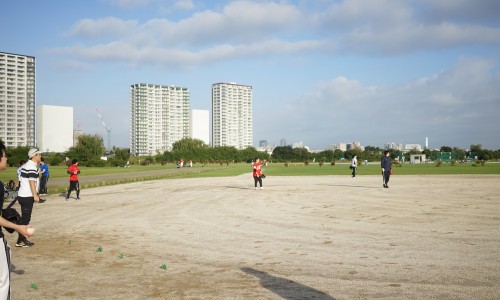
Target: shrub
[
  {"x": 453, "y": 162},
  {"x": 56, "y": 160},
  {"x": 332, "y": 163},
  {"x": 439, "y": 163},
  {"x": 321, "y": 163},
  {"x": 306, "y": 163}
]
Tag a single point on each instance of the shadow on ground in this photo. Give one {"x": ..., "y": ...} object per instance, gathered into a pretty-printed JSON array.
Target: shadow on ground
[{"x": 286, "y": 288}]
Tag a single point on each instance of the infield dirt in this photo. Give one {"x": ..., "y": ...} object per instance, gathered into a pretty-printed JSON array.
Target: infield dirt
[{"x": 319, "y": 237}]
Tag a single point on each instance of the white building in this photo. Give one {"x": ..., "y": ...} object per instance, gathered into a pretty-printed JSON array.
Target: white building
[
  {"x": 200, "y": 125},
  {"x": 232, "y": 118},
  {"x": 393, "y": 146},
  {"x": 417, "y": 147},
  {"x": 54, "y": 128},
  {"x": 159, "y": 117},
  {"x": 17, "y": 99},
  {"x": 340, "y": 146}
]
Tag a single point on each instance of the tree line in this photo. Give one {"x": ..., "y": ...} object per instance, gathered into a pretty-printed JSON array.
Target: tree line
[{"x": 90, "y": 148}]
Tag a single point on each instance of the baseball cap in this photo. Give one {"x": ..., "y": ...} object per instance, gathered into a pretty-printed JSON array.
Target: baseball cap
[{"x": 33, "y": 152}]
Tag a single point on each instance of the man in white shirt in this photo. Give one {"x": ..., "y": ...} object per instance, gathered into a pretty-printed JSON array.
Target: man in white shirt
[{"x": 28, "y": 191}]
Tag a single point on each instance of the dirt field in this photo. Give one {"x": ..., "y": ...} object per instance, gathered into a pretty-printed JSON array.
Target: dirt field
[{"x": 325, "y": 237}]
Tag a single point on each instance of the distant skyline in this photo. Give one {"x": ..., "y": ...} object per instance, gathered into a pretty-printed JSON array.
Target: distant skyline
[{"x": 322, "y": 72}]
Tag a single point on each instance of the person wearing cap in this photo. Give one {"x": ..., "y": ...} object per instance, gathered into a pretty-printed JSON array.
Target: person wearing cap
[
  {"x": 5, "y": 265},
  {"x": 73, "y": 172},
  {"x": 28, "y": 192}
]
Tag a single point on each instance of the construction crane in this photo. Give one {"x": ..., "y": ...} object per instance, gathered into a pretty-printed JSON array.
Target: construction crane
[{"x": 108, "y": 130}]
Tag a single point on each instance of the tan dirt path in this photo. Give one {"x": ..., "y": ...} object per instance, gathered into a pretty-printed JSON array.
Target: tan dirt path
[{"x": 318, "y": 237}]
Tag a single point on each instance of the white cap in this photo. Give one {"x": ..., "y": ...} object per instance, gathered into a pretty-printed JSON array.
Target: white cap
[{"x": 33, "y": 152}]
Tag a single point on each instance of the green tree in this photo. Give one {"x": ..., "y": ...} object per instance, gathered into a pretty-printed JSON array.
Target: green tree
[
  {"x": 88, "y": 148},
  {"x": 188, "y": 144},
  {"x": 17, "y": 154},
  {"x": 446, "y": 149},
  {"x": 372, "y": 153},
  {"x": 283, "y": 153},
  {"x": 338, "y": 154}
]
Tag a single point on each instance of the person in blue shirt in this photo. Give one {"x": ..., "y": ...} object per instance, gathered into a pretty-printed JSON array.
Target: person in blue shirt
[{"x": 44, "y": 170}]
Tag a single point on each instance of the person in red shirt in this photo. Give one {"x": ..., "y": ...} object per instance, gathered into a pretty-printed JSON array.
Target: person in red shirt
[
  {"x": 73, "y": 172},
  {"x": 257, "y": 173}
]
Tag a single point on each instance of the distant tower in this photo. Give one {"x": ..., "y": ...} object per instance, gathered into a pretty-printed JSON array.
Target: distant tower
[{"x": 426, "y": 143}]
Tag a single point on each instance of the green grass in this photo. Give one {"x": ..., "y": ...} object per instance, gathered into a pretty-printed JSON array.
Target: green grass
[
  {"x": 273, "y": 169},
  {"x": 299, "y": 169}
]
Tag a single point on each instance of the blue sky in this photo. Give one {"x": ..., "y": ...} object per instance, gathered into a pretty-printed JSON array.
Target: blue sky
[{"x": 323, "y": 72}]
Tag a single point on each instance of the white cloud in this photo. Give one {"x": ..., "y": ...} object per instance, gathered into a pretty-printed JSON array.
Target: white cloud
[
  {"x": 102, "y": 28},
  {"x": 450, "y": 106}
]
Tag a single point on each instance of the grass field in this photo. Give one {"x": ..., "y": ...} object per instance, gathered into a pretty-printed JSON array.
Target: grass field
[{"x": 141, "y": 173}]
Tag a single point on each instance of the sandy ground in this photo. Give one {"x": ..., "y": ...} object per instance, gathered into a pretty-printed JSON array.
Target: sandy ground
[{"x": 325, "y": 237}]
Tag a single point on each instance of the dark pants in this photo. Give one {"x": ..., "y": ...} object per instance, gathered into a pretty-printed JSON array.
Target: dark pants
[
  {"x": 353, "y": 171},
  {"x": 43, "y": 184},
  {"x": 257, "y": 179},
  {"x": 74, "y": 185},
  {"x": 386, "y": 175},
  {"x": 26, "y": 209}
]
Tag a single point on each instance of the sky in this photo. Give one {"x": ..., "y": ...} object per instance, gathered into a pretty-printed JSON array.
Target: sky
[{"x": 323, "y": 71}]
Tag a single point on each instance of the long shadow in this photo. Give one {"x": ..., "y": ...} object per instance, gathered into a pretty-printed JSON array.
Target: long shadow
[
  {"x": 286, "y": 288},
  {"x": 238, "y": 187}
]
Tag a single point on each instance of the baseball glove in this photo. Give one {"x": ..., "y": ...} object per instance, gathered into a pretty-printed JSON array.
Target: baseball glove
[{"x": 11, "y": 215}]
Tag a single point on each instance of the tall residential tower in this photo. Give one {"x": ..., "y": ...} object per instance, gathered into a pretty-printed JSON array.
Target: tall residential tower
[
  {"x": 17, "y": 99},
  {"x": 232, "y": 115},
  {"x": 159, "y": 117}
]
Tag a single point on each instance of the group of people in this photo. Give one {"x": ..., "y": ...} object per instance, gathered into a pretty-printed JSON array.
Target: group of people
[
  {"x": 385, "y": 165},
  {"x": 31, "y": 185}
]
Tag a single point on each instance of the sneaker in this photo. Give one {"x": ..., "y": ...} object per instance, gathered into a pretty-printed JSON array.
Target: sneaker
[
  {"x": 67, "y": 198},
  {"x": 77, "y": 198},
  {"x": 24, "y": 244},
  {"x": 261, "y": 188}
]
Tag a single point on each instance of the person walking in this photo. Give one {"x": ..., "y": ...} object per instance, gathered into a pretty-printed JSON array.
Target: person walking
[
  {"x": 257, "y": 173},
  {"x": 73, "y": 172},
  {"x": 354, "y": 165},
  {"x": 28, "y": 192},
  {"x": 44, "y": 179},
  {"x": 5, "y": 265},
  {"x": 386, "y": 168}
]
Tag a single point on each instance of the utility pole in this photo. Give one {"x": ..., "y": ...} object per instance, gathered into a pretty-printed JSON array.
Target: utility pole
[{"x": 108, "y": 130}]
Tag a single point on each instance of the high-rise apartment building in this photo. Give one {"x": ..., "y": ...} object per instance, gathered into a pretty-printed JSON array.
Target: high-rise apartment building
[
  {"x": 17, "y": 99},
  {"x": 159, "y": 117},
  {"x": 232, "y": 115}
]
